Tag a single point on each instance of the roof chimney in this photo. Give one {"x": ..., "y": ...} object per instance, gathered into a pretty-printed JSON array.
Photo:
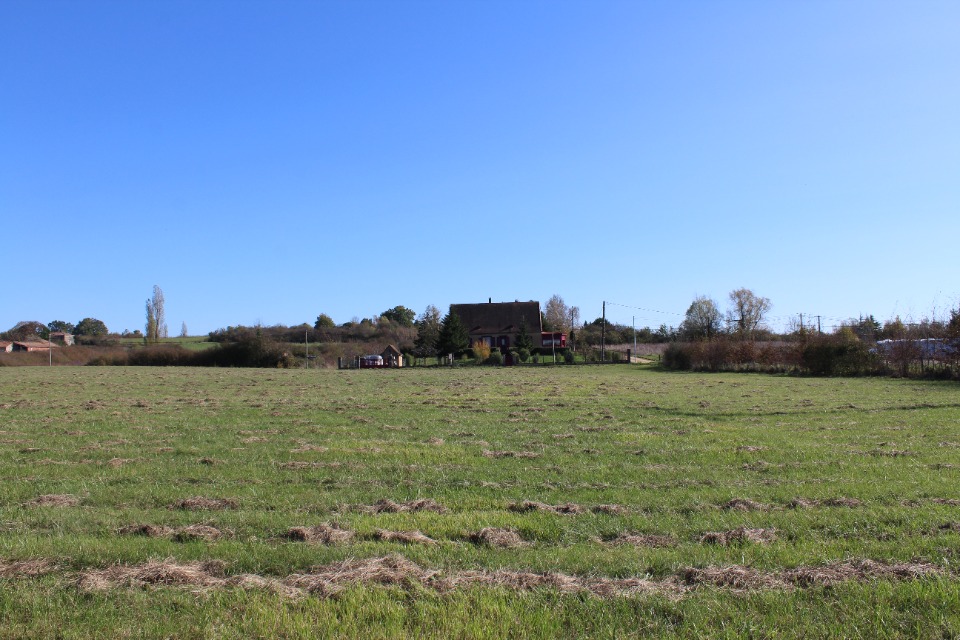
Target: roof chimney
[{"x": 489, "y": 300}]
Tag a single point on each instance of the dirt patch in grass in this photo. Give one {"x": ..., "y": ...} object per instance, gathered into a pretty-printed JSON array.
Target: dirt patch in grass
[
  {"x": 199, "y": 503},
  {"x": 740, "y": 535},
  {"x": 497, "y": 537},
  {"x": 325, "y": 533},
  {"x": 526, "y": 506},
  {"x": 406, "y": 537},
  {"x": 53, "y": 500},
  {"x": 651, "y": 540},
  {"x": 744, "y": 504},
  {"x": 389, "y": 506}
]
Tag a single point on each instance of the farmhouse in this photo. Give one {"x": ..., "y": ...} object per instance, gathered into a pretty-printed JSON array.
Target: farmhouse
[
  {"x": 33, "y": 345},
  {"x": 60, "y": 337},
  {"x": 6, "y": 346},
  {"x": 498, "y": 323}
]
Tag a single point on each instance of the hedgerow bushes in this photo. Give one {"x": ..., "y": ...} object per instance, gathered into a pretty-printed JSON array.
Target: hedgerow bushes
[{"x": 816, "y": 355}]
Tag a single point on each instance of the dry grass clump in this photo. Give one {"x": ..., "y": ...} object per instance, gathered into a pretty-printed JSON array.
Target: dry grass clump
[
  {"x": 199, "y": 503},
  {"x": 423, "y": 504},
  {"x": 305, "y": 447},
  {"x": 732, "y": 577},
  {"x": 842, "y": 502},
  {"x": 749, "y": 449},
  {"x": 739, "y": 536},
  {"x": 146, "y": 530},
  {"x": 53, "y": 500},
  {"x": 197, "y": 532},
  {"x": 651, "y": 540},
  {"x": 510, "y": 454},
  {"x": 526, "y": 506},
  {"x": 610, "y": 509},
  {"x": 325, "y": 533},
  {"x": 861, "y": 570},
  {"x": 390, "y": 570},
  {"x": 497, "y": 537},
  {"x": 947, "y": 501},
  {"x": 406, "y": 537},
  {"x": 155, "y": 572},
  {"x": 26, "y": 568},
  {"x": 744, "y": 504}
]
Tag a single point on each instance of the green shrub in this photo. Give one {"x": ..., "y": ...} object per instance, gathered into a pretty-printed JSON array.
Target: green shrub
[{"x": 523, "y": 355}]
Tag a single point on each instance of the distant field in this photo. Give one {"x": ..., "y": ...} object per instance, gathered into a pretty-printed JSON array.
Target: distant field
[
  {"x": 194, "y": 343},
  {"x": 610, "y": 501}
]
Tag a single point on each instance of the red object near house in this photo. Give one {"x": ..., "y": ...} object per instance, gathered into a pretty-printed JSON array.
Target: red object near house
[{"x": 553, "y": 339}]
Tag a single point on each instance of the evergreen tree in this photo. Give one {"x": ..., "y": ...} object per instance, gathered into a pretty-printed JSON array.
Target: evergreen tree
[
  {"x": 524, "y": 341},
  {"x": 428, "y": 333},
  {"x": 453, "y": 336}
]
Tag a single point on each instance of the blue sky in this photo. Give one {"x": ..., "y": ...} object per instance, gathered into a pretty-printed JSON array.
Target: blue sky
[{"x": 269, "y": 161}]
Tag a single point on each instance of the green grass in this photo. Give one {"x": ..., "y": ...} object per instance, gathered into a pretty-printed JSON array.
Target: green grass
[
  {"x": 670, "y": 449},
  {"x": 193, "y": 343}
]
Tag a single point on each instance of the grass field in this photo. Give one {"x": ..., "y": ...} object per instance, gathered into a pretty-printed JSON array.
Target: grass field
[{"x": 610, "y": 501}]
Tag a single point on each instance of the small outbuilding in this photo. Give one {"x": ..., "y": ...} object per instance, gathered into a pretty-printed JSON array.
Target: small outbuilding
[
  {"x": 392, "y": 356},
  {"x": 59, "y": 337},
  {"x": 33, "y": 345},
  {"x": 6, "y": 346}
]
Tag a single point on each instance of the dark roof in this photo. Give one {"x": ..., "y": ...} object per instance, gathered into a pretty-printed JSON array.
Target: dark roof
[
  {"x": 391, "y": 350},
  {"x": 498, "y": 317}
]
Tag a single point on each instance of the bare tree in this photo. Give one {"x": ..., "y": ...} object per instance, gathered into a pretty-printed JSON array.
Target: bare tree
[
  {"x": 746, "y": 312},
  {"x": 183, "y": 331},
  {"x": 555, "y": 314},
  {"x": 156, "y": 316}
]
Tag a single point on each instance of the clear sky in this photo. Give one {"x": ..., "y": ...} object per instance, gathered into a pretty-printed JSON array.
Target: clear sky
[{"x": 269, "y": 161}]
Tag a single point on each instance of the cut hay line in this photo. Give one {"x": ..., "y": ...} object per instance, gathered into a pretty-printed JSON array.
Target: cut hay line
[
  {"x": 527, "y": 506},
  {"x": 486, "y": 453},
  {"x": 650, "y": 540},
  {"x": 739, "y": 536},
  {"x": 952, "y": 502},
  {"x": 497, "y": 537},
  {"x": 199, "y": 503},
  {"x": 610, "y": 509},
  {"x": 306, "y": 447},
  {"x": 749, "y": 449},
  {"x": 146, "y": 530},
  {"x": 389, "y": 506},
  {"x": 53, "y": 500},
  {"x": 397, "y": 571},
  {"x": 744, "y": 504},
  {"x": 27, "y": 568},
  {"x": 324, "y": 533},
  {"x": 405, "y": 537},
  {"x": 195, "y": 532}
]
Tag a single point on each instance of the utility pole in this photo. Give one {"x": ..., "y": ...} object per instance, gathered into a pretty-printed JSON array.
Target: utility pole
[
  {"x": 603, "y": 332},
  {"x": 818, "y": 326}
]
